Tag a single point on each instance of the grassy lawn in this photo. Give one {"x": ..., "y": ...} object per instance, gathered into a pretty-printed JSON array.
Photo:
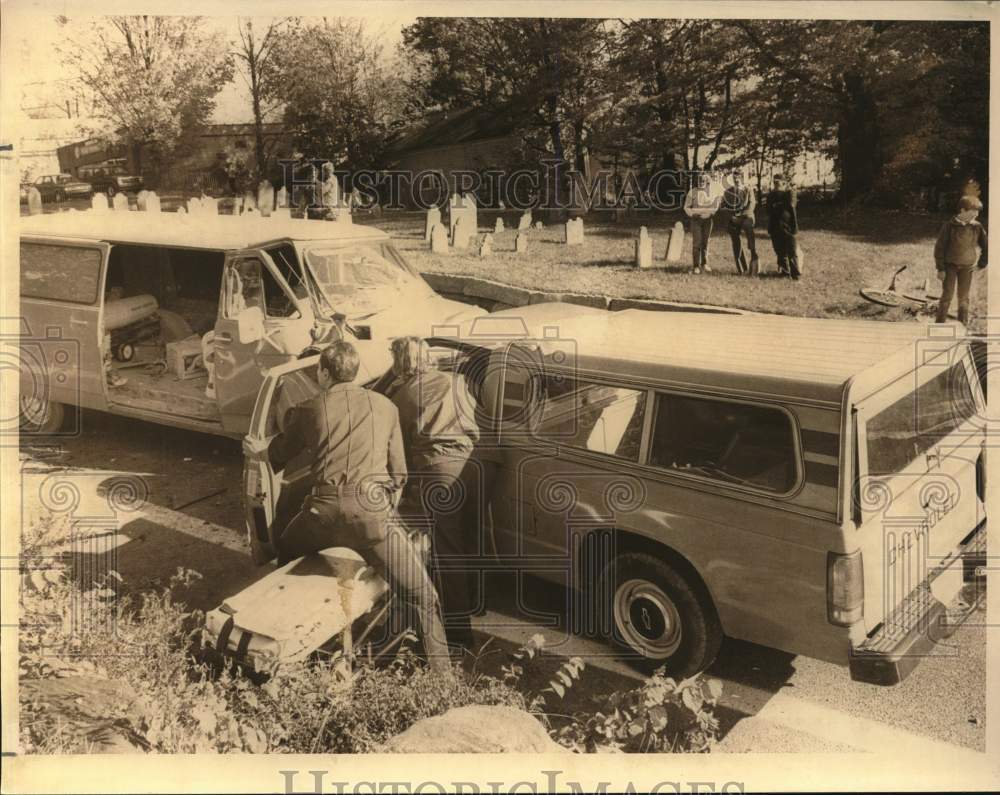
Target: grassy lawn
[{"x": 843, "y": 251}]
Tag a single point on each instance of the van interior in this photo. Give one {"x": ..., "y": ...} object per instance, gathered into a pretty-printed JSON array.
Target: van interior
[{"x": 186, "y": 284}]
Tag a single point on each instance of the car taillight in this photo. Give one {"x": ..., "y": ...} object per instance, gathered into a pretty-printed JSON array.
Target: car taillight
[{"x": 845, "y": 588}]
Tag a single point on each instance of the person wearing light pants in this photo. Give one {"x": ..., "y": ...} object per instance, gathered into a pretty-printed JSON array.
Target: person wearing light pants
[{"x": 701, "y": 205}]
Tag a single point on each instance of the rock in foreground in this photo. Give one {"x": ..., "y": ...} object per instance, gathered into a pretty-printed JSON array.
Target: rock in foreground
[{"x": 475, "y": 730}]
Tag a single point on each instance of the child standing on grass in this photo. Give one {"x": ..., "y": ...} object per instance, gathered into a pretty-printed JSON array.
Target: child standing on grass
[{"x": 960, "y": 249}]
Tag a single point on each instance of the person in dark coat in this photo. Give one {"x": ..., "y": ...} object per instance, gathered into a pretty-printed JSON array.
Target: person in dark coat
[
  {"x": 358, "y": 467},
  {"x": 783, "y": 226},
  {"x": 960, "y": 249},
  {"x": 437, "y": 417}
]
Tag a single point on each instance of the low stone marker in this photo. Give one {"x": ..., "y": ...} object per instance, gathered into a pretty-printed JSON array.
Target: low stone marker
[
  {"x": 439, "y": 239},
  {"x": 265, "y": 197},
  {"x": 525, "y": 221},
  {"x": 573, "y": 232},
  {"x": 432, "y": 219},
  {"x": 152, "y": 202},
  {"x": 643, "y": 249},
  {"x": 120, "y": 202},
  {"x": 181, "y": 210},
  {"x": 140, "y": 200},
  {"x": 99, "y": 202},
  {"x": 498, "y": 226},
  {"x": 461, "y": 232},
  {"x": 462, "y": 206},
  {"x": 34, "y": 201},
  {"x": 539, "y": 225},
  {"x": 249, "y": 201},
  {"x": 521, "y": 244},
  {"x": 486, "y": 246},
  {"x": 675, "y": 246}
]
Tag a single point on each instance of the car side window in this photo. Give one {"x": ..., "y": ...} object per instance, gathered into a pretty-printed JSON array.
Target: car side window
[
  {"x": 249, "y": 283},
  {"x": 60, "y": 273},
  {"x": 725, "y": 441}
]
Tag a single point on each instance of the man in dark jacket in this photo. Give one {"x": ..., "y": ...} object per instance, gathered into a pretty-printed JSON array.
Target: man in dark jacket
[
  {"x": 740, "y": 201},
  {"x": 783, "y": 226},
  {"x": 358, "y": 470},
  {"x": 960, "y": 249},
  {"x": 437, "y": 416}
]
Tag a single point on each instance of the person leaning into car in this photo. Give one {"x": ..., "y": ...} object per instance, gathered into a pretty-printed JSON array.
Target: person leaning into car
[
  {"x": 358, "y": 470},
  {"x": 437, "y": 416}
]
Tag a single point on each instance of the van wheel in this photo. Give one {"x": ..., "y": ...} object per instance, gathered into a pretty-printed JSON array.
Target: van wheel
[
  {"x": 173, "y": 327},
  {"x": 40, "y": 416},
  {"x": 659, "y": 615}
]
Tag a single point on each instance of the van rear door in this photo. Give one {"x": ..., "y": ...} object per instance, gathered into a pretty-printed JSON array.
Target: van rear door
[{"x": 919, "y": 439}]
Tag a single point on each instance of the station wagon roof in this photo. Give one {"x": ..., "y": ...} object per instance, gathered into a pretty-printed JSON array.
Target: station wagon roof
[
  {"x": 184, "y": 230},
  {"x": 799, "y": 358}
]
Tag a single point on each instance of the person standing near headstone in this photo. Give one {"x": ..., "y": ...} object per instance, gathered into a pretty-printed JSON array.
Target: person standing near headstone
[
  {"x": 783, "y": 226},
  {"x": 701, "y": 205},
  {"x": 740, "y": 201}
]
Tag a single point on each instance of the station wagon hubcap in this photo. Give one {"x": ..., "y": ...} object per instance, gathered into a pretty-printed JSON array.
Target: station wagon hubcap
[
  {"x": 34, "y": 411},
  {"x": 647, "y": 619}
]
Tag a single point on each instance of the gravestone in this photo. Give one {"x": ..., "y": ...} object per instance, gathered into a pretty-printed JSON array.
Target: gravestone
[
  {"x": 643, "y": 249},
  {"x": 498, "y": 226},
  {"x": 34, "y": 201},
  {"x": 194, "y": 206},
  {"x": 521, "y": 244},
  {"x": 120, "y": 202},
  {"x": 524, "y": 222},
  {"x": 249, "y": 201},
  {"x": 99, "y": 202},
  {"x": 265, "y": 198},
  {"x": 675, "y": 246},
  {"x": 281, "y": 197},
  {"x": 462, "y": 231},
  {"x": 140, "y": 200},
  {"x": 539, "y": 225},
  {"x": 573, "y": 233},
  {"x": 462, "y": 206},
  {"x": 486, "y": 247},
  {"x": 439, "y": 239},
  {"x": 181, "y": 210},
  {"x": 152, "y": 202},
  {"x": 432, "y": 219}
]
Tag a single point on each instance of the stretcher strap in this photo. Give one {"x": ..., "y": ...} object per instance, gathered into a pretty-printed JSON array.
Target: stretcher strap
[
  {"x": 243, "y": 645},
  {"x": 223, "y": 642}
]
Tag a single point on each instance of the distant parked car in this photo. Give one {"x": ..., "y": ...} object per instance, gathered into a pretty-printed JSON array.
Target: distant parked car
[
  {"x": 58, "y": 187},
  {"x": 112, "y": 179}
]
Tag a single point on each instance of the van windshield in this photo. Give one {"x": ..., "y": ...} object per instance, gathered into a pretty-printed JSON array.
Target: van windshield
[
  {"x": 906, "y": 429},
  {"x": 361, "y": 278}
]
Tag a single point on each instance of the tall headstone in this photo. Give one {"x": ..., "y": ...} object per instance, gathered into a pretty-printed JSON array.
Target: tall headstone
[
  {"x": 524, "y": 222},
  {"x": 675, "y": 246},
  {"x": 282, "y": 197},
  {"x": 643, "y": 249},
  {"x": 432, "y": 219},
  {"x": 574, "y": 232},
  {"x": 486, "y": 247},
  {"x": 265, "y": 197},
  {"x": 140, "y": 200},
  {"x": 521, "y": 243},
  {"x": 120, "y": 202},
  {"x": 462, "y": 206},
  {"x": 99, "y": 202},
  {"x": 34, "y": 201},
  {"x": 462, "y": 231},
  {"x": 152, "y": 202},
  {"x": 498, "y": 226},
  {"x": 439, "y": 239}
]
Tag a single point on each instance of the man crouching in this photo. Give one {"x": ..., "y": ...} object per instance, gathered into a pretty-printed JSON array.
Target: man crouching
[{"x": 358, "y": 470}]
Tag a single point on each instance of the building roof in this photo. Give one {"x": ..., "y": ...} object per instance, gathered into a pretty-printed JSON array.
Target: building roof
[
  {"x": 182, "y": 230},
  {"x": 455, "y": 127},
  {"x": 811, "y": 359}
]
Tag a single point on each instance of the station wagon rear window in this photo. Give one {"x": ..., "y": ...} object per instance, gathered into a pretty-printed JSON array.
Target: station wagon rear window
[
  {"x": 906, "y": 429},
  {"x": 590, "y": 416},
  {"x": 60, "y": 273},
  {"x": 729, "y": 442}
]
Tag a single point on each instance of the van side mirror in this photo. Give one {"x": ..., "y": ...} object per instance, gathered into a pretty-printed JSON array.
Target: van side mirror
[{"x": 250, "y": 325}]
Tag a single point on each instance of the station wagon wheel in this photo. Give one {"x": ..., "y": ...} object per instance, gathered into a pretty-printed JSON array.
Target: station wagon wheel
[
  {"x": 37, "y": 415},
  {"x": 659, "y": 615}
]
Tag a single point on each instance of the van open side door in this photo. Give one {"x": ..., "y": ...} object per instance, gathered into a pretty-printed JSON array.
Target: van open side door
[{"x": 270, "y": 498}]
